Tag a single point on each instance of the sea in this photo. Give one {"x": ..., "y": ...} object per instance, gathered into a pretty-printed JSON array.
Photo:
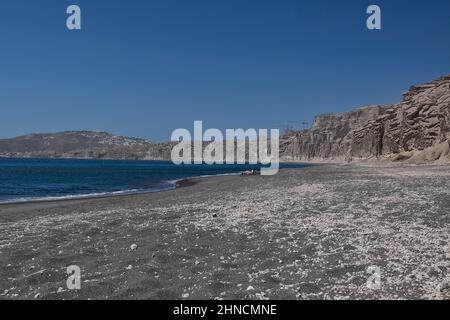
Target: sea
[{"x": 23, "y": 180}]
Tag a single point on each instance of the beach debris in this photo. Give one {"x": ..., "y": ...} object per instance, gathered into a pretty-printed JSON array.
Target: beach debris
[
  {"x": 133, "y": 247},
  {"x": 35, "y": 273},
  {"x": 250, "y": 173}
]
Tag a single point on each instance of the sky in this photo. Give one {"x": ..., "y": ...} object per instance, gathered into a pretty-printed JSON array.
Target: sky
[{"x": 145, "y": 68}]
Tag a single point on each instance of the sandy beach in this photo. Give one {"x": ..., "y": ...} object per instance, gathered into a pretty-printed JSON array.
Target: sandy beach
[{"x": 308, "y": 233}]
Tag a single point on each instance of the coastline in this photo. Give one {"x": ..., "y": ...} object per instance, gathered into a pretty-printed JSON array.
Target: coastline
[
  {"x": 182, "y": 183},
  {"x": 152, "y": 184},
  {"x": 175, "y": 183},
  {"x": 302, "y": 234}
]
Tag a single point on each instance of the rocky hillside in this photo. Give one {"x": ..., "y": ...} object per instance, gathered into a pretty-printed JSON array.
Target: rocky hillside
[
  {"x": 83, "y": 145},
  {"x": 416, "y": 129}
]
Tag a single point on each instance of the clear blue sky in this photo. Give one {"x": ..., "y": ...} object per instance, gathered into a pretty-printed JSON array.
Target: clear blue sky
[{"x": 144, "y": 68}]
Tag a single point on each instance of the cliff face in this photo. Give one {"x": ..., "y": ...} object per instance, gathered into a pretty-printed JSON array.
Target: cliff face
[
  {"x": 419, "y": 122},
  {"x": 416, "y": 125},
  {"x": 329, "y": 136}
]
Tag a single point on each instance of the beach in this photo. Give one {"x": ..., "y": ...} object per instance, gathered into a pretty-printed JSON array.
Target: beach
[{"x": 309, "y": 233}]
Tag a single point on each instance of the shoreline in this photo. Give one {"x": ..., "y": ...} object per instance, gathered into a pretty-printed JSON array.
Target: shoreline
[
  {"x": 177, "y": 183},
  {"x": 173, "y": 184},
  {"x": 182, "y": 183}
]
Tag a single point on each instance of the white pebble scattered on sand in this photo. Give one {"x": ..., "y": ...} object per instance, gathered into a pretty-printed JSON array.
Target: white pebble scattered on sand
[{"x": 129, "y": 267}]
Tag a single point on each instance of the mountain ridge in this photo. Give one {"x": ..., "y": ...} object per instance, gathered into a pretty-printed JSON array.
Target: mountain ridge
[
  {"x": 417, "y": 130},
  {"x": 83, "y": 145}
]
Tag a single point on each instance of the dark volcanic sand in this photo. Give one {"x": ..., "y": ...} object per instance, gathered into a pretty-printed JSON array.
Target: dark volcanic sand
[{"x": 303, "y": 234}]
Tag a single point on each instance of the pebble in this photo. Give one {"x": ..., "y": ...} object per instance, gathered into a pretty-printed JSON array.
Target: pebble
[
  {"x": 129, "y": 267},
  {"x": 250, "y": 288},
  {"x": 185, "y": 295},
  {"x": 60, "y": 289},
  {"x": 444, "y": 287}
]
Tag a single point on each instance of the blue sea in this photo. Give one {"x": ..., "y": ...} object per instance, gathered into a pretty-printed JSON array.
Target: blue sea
[{"x": 24, "y": 180}]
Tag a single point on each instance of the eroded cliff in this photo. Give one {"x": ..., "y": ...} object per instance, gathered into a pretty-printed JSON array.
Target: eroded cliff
[{"x": 416, "y": 129}]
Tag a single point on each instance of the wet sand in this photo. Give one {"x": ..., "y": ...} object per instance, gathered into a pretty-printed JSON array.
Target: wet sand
[{"x": 309, "y": 233}]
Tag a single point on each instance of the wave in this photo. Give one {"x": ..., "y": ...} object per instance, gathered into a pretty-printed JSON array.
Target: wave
[
  {"x": 204, "y": 176},
  {"x": 169, "y": 185},
  {"x": 84, "y": 196}
]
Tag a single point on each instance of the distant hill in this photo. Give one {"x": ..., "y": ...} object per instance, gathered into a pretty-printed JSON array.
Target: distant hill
[{"x": 83, "y": 145}]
